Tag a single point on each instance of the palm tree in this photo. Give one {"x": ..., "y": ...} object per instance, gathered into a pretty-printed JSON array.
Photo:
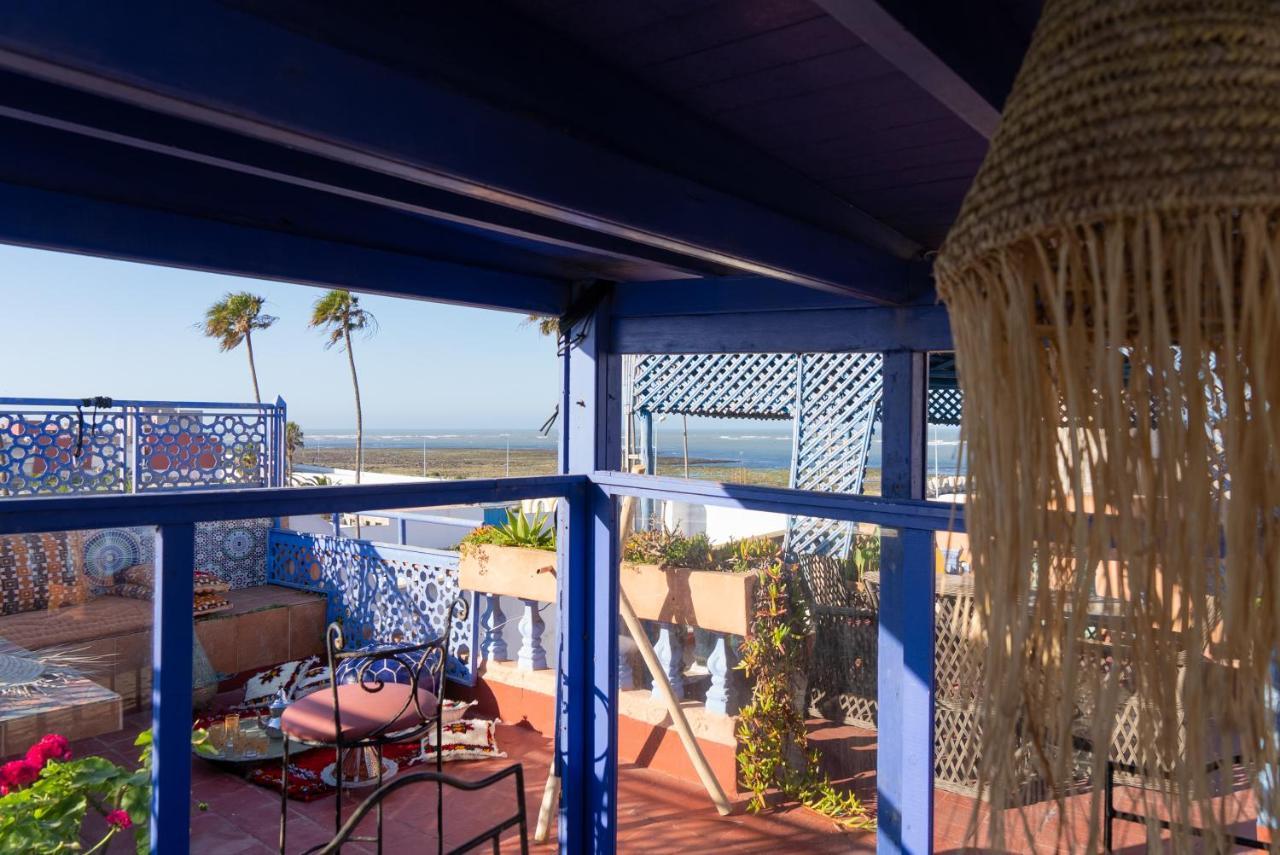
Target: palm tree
[
  {"x": 294, "y": 439},
  {"x": 232, "y": 320},
  {"x": 546, "y": 324},
  {"x": 338, "y": 313}
]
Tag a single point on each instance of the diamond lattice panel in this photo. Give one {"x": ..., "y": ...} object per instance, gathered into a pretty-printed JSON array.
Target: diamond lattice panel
[
  {"x": 837, "y": 393},
  {"x": 722, "y": 385}
]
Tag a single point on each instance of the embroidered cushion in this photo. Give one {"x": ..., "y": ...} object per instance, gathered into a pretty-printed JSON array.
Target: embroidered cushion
[
  {"x": 138, "y": 574},
  {"x": 41, "y": 571},
  {"x": 134, "y": 592},
  {"x": 298, "y": 678},
  {"x": 388, "y": 670},
  {"x": 468, "y": 739}
]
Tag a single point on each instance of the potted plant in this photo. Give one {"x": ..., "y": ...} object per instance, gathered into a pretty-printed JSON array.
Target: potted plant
[
  {"x": 516, "y": 558},
  {"x": 673, "y": 578}
]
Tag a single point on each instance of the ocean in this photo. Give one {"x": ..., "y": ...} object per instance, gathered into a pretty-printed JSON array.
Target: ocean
[{"x": 755, "y": 448}]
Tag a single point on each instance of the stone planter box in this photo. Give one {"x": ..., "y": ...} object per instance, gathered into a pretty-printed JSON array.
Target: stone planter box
[
  {"x": 528, "y": 574},
  {"x": 710, "y": 599}
]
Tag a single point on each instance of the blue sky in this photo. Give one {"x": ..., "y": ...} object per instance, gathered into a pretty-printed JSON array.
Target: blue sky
[{"x": 76, "y": 326}]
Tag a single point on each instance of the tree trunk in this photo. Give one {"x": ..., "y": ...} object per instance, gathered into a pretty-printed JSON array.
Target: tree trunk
[
  {"x": 253, "y": 369},
  {"x": 355, "y": 385}
]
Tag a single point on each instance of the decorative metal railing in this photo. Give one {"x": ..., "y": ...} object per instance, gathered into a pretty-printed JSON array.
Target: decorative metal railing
[
  {"x": 380, "y": 591},
  {"x": 99, "y": 445}
]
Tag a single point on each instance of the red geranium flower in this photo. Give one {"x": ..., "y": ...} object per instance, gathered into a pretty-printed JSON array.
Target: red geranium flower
[
  {"x": 52, "y": 746},
  {"x": 119, "y": 819},
  {"x": 19, "y": 773}
]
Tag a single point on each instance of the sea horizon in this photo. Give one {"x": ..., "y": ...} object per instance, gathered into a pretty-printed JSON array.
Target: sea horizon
[{"x": 754, "y": 447}]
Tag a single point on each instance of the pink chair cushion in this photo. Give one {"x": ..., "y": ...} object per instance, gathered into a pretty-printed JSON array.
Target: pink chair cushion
[{"x": 363, "y": 712}]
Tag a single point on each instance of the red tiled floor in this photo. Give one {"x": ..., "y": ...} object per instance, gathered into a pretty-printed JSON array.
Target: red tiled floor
[{"x": 656, "y": 812}]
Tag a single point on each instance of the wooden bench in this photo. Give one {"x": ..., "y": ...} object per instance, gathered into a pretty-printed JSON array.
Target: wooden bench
[{"x": 266, "y": 625}]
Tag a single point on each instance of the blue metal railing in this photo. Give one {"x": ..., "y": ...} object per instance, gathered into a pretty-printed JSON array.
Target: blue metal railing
[
  {"x": 588, "y": 597},
  {"x": 101, "y": 445}
]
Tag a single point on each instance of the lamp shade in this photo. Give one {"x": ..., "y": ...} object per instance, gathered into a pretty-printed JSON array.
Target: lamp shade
[{"x": 1113, "y": 283}]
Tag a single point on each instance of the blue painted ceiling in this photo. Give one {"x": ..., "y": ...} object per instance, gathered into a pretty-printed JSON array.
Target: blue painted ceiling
[{"x": 807, "y": 150}]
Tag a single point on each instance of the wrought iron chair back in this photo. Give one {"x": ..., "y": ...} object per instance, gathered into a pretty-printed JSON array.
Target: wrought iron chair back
[{"x": 427, "y": 659}]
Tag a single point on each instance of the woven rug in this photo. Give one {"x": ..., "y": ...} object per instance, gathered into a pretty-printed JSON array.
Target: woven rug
[{"x": 304, "y": 782}]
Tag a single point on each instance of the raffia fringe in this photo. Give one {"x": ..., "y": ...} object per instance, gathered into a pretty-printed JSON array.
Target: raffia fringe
[{"x": 1122, "y": 424}]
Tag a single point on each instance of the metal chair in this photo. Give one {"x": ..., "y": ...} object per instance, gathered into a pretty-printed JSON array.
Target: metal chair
[
  {"x": 372, "y": 711},
  {"x": 491, "y": 833}
]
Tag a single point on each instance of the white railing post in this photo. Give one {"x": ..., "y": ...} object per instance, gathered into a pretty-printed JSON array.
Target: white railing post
[{"x": 532, "y": 656}]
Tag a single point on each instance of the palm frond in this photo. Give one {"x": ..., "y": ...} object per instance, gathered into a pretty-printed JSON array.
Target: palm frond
[{"x": 231, "y": 318}]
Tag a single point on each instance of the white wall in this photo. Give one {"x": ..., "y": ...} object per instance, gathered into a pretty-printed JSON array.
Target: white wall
[{"x": 720, "y": 524}]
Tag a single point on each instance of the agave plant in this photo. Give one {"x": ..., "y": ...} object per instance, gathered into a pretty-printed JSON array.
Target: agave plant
[{"x": 530, "y": 532}]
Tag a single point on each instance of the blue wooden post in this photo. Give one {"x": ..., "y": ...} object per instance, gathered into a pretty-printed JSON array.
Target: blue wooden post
[
  {"x": 402, "y": 531},
  {"x": 902, "y": 420},
  {"x": 493, "y": 648},
  {"x": 669, "y": 648},
  {"x": 532, "y": 656},
  {"x": 590, "y": 439},
  {"x": 904, "y": 761},
  {"x": 720, "y": 663},
  {"x": 649, "y": 461},
  {"x": 171, "y": 688}
]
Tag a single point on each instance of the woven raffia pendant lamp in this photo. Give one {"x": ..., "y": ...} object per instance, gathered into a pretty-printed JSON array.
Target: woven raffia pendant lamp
[{"x": 1113, "y": 282}]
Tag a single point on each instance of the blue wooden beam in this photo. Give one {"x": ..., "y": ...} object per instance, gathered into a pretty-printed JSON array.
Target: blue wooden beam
[
  {"x": 863, "y": 329},
  {"x": 837, "y": 506},
  {"x": 301, "y": 93},
  {"x": 105, "y": 127},
  {"x": 483, "y": 48},
  {"x": 70, "y": 513},
  {"x": 660, "y": 298},
  {"x": 171, "y": 641},
  {"x": 964, "y": 56},
  {"x": 68, "y": 223}
]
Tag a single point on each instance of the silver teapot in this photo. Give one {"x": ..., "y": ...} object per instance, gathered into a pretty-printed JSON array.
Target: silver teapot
[{"x": 278, "y": 705}]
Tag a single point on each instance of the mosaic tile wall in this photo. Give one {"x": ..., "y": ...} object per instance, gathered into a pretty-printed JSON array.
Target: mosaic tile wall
[{"x": 236, "y": 550}]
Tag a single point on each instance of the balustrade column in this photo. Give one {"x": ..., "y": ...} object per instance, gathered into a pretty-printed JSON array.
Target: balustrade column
[
  {"x": 493, "y": 648},
  {"x": 669, "y": 649},
  {"x": 625, "y": 646},
  {"x": 532, "y": 656},
  {"x": 720, "y": 663}
]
